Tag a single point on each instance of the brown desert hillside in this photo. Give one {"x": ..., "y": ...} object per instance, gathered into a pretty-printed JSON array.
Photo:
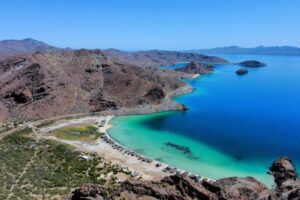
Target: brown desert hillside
[{"x": 56, "y": 83}]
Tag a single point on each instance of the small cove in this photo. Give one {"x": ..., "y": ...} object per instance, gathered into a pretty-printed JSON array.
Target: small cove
[{"x": 235, "y": 126}]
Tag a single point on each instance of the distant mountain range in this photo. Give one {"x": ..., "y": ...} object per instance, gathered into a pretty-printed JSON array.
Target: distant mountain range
[
  {"x": 20, "y": 47},
  {"x": 156, "y": 58},
  {"x": 152, "y": 58},
  {"x": 260, "y": 50}
]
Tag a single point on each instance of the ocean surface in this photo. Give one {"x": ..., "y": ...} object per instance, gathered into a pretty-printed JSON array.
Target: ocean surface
[{"x": 235, "y": 125}]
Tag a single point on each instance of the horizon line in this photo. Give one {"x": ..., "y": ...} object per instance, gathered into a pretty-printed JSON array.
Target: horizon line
[{"x": 153, "y": 49}]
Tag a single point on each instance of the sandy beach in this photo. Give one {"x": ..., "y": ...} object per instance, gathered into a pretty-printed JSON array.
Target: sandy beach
[{"x": 152, "y": 170}]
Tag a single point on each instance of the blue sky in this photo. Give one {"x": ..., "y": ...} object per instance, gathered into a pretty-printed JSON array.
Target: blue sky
[{"x": 152, "y": 24}]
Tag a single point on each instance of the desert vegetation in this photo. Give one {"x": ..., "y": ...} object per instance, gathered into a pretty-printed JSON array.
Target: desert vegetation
[{"x": 33, "y": 167}]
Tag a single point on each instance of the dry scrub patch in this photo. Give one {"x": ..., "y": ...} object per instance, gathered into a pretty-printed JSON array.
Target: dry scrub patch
[{"x": 32, "y": 168}]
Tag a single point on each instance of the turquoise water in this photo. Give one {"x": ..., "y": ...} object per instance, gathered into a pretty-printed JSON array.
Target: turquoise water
[{"x": 236, "y": 125}]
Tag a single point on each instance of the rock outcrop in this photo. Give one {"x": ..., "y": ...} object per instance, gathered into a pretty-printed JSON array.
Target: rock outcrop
[
  {"x": 196, "y": 68},
  {"x": 242, "y": 72},
  {"x": 283, "y": 170},
  {"x": 57, "y": 83},
  {"x": 253, "y": 63},
  {"x": 242, "y": 189},
  {"x": 184, "y": 187},
  {"x": 286, "y": 179},
  {"x": 177, "y": 187}
]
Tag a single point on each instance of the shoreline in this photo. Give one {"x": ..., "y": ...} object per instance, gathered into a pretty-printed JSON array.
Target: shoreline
[
  {"x": 169, "y": 169},
  {"x": 141, "y": 166},
  {"x": 112, "y": 151},
  {"x": 140, "y": 169}
]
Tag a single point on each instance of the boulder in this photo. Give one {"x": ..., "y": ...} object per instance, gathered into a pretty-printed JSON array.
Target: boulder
[
  {"x": 286, "y": 179},
  {"x": 283, "y": 170}
]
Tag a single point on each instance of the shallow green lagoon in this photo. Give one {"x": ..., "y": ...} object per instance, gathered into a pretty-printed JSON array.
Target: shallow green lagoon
[{"x": 131, "y": 132}]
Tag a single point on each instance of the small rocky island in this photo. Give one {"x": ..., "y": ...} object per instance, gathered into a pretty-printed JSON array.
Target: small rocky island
[
  {"x": 242, "y": 71},
  {"x": 196, "y": 68},
  {"x": 252, "y": 63}
]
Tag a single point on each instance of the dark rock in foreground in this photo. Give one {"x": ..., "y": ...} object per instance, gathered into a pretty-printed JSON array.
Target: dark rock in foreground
[
  {"x": 283, "y": 170},
  {"x": 286, "y": 179},
  {"x": 183, "y": 186},
  {"x": 196, "y": 68},
  {"x": 242, "y": 188},
  {"x": 177, "y": 187},
  {"x": 242, "y": 72},
  {"x": 253, "y": 63}
]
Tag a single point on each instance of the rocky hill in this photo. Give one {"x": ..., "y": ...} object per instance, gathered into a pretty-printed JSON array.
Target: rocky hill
[
  {"x": 20, "y": 47},
  {"x": 196, "y": 68},
  {"x": 185, "y": 187},
  {"x": 156, "y": 58},
  {"x": 48, "y": 84}
]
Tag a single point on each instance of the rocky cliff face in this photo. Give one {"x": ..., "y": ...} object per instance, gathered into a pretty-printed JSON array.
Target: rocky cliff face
[
  {"x": 183, "y": 187},
  {"x": 57, "y": 83},
  {"x": 157, "y": 58}
]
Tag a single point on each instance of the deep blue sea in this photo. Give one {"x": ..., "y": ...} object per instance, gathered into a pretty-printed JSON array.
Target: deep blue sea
[{"x": 243, "y": 122}]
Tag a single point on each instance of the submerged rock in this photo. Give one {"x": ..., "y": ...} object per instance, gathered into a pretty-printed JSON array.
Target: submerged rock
[
  {"x": 253, "y": 63},
  {"x": 184, "y": 149},
  {"x": 242, "y": 72}
]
